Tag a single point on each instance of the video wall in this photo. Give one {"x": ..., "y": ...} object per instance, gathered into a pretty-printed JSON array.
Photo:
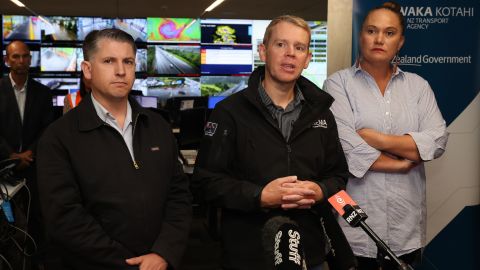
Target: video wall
[{"x": 175, "y": 56}]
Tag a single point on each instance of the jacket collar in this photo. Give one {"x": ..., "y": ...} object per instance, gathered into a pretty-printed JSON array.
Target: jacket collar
[
  {"x": 314, "y": 96},
  {"x": 88, "y": 118}
]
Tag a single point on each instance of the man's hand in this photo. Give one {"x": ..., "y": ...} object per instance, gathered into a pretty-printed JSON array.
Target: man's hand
[
  {"x": 25, "y": 159},
  {"x": 302, "y": 202},
  {"x": 273, "y": 192},
  {"x": 151, "y": 261}
]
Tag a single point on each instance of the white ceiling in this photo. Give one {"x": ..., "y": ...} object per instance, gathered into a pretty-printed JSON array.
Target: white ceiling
[{"x": 232, "y": 9}]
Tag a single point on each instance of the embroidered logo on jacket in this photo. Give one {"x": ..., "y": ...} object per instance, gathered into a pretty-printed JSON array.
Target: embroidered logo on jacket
[
  {"x": 320, "y": 124},
  {"x": 210, "y": 128}
]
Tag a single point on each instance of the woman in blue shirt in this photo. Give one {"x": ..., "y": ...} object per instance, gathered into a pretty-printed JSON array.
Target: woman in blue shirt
[{"x": 389, "y": 125}]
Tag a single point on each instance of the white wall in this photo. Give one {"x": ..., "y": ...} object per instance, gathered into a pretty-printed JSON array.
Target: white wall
[{"x": 453, "y": 181}]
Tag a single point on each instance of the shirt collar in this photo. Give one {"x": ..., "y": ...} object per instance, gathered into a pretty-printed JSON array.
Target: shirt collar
[
  {"x": 15, "y": 86},
  {"x": 358, "y": 69},
  {"x": 104, "y": 114},
  {"x": 267, "y": 101}
]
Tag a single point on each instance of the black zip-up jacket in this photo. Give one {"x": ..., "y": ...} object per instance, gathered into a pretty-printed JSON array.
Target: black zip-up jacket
[
  {"x": 100, "y": 206},
  {"x": 243, "y": 150}
]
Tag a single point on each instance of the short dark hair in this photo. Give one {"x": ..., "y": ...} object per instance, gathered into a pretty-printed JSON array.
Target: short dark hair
[
  {"x": 90, "y": 44},
  {"x": 393, "y": 7}
]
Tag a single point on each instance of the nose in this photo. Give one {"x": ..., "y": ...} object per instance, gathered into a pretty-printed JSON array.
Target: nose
[
  {"x": 379, "y": 38},
  {"x": 120, "y": 69},
  {"x": 290, "y": 50}
]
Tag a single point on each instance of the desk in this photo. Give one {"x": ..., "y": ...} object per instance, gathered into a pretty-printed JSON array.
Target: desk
[{"x": 12, "y": 190}]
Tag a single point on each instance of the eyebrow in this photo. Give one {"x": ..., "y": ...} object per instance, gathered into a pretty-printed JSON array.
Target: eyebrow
[{"x": 376, "y": 27}]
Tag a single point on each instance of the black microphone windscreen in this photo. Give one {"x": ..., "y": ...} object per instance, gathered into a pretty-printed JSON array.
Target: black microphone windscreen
[{"x": 283, "y": 245}]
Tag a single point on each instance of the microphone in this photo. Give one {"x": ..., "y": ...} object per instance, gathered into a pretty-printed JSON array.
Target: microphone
[
  {"x": 347, "y": 208},
  {"x": 283, "y": 244},
  {"x": 355, "y": 217}
]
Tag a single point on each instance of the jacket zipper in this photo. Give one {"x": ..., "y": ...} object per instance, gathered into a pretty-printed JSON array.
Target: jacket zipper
[{"x": 135, "y": 163}]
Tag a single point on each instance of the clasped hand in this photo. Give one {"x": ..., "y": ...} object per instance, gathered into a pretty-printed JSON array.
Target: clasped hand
[{"x": 289, "y": 193}]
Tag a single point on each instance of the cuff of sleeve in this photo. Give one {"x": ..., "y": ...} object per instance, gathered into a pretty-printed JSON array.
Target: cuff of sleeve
[
  {"x": 425, "y": 146},
  {"x": 323, "y": 187},
  {"x": 361, "y": 159}
]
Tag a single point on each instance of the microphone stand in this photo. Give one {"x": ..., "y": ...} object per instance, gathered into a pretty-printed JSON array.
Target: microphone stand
[{"x": 383, "y": 249}]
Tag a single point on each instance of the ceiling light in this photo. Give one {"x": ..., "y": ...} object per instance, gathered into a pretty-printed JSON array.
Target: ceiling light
[
  {"x": 212, "y": 6},
  {"x": 18, "y": 3}
]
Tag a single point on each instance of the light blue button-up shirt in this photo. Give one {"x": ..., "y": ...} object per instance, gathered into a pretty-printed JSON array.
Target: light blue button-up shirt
[
  {"x": 126, "y": 132},
  {"x": 394, "y": 202}
]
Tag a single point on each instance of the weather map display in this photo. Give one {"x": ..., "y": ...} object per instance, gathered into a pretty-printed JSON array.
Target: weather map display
[{"x": 173, "y": 30}]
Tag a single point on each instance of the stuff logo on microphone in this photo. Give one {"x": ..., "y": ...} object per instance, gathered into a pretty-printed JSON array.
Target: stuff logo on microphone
[
  {"x": 293, "y": 245},
  {"x": 276, "y": 252}
]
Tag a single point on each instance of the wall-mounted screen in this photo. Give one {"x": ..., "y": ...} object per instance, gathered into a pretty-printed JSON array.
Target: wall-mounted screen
[
  {"x": 58, "y": 28},
  {"x": 87, "y": 24},
  {"x": 222, "y": 85},
  {"x": 137, "y": 28},
  {"x": 258, "y": 31},
  {"x": 174, "y": 59},
  {"x": 147, "y": 102},
  {"x": 166, "y": 87},
  {"x": 21, "y": 27},
  {"x": 317, "y": 69},
  {"x": 70, "y": 84},
  {"x": 59, "y": 59},
  {"x": 140, "y": 85},
  {"x": 223, "y": 31},
  {"x": 173, "y": 30},
  {"x": 141, "y": 60},
  {"x": 226, "y": 60}
]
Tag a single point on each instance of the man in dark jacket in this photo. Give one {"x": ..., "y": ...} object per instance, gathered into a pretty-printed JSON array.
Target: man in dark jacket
[
  {"x": 273, "y": 149},
  {"x": 26, "y": 109},
  {"x": 113, "y": 192}
]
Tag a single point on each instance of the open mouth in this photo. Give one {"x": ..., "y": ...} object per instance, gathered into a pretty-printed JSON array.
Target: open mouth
[{"x": 288, "y": 67}]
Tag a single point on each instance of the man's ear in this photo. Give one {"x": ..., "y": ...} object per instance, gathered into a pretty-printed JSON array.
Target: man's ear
[
  {"x": 262, "y": 51},
  {"x": 309, "y": 58},
  {"x": 87, "y": 70}
]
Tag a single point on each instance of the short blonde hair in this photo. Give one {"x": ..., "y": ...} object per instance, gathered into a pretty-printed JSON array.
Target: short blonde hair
[{"x": 297, "y": 21}]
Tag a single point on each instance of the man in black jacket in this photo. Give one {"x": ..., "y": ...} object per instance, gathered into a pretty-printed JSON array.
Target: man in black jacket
[
  {"x": 26, "y": 109},
  {"x": 273, "y": 149},
  {"x": 113, "y": 192}
]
